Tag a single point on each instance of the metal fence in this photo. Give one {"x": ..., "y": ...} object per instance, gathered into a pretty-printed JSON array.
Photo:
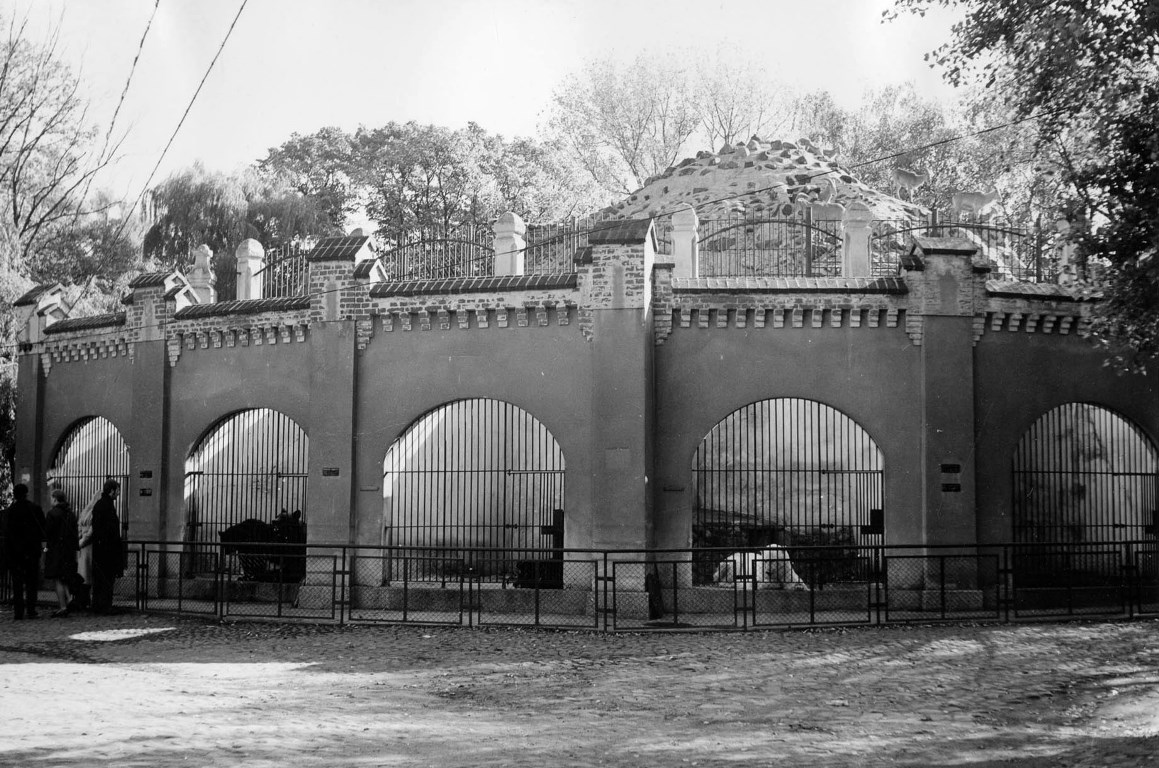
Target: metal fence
[
  {"x": 251, "y": 466},
  {"x": 1016, "y": 253},
  {"x": 286, "y": 273},
  {"x": 465, "y": 251},
  {"x": 93, "y": 451},
  {"x": 785, "y": 472},
  {"x": 747, "y": 245},
  {"x": 1081, "y": 473},
  {"x": 479, "y": 474},
  {"x": 551, "y": 248},
  {"x": 611, "y": 590}
]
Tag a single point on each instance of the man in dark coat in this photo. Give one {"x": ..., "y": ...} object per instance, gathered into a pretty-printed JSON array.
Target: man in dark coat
[
  {"x": 23, "y": 531},
  {"x": 108, "y": 549}
]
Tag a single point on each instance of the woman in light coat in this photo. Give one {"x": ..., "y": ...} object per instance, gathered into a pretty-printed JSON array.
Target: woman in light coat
[{"x": 82, "y": 588}]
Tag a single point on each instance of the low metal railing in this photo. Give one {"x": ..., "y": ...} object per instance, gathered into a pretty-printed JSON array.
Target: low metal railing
[{"x": 618, "y": 590}]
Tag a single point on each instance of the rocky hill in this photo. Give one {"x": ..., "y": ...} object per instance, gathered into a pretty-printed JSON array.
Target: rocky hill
[{"x": 776, "y": 179}]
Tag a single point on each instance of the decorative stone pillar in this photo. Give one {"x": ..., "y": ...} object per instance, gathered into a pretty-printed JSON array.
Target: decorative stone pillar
[
  {"x": 250, "y": 260},
  {"x": 857, "y": 262},
  {"x": 685, "y": 243},
  {"x": 509, "y": 244},
  {"x": 201, "y": 278}
]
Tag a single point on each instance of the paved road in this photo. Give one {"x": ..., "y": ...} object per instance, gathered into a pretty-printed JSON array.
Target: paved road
[{"x": 134, "y": 690}]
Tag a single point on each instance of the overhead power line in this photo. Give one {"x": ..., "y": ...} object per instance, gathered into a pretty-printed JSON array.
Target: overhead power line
[{"x": 184, "y": 115}]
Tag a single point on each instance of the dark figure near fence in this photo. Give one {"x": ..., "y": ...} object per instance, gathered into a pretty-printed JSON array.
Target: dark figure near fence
[
  {"x": 270, "y": 552},
  {"x": 108, "y": 548},
  {"x": 22, "y": 529},
  {"x": 61, "y": 541}
]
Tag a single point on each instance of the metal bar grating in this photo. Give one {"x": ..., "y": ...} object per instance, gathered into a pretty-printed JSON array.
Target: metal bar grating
[
  {"x": 251, "y": 465},
  {"x": 1081, "y": 473},
  {"x": 91, "y": 453},
  {"x": 473, "y": 474},
  {"x": 790, "y": 472}
]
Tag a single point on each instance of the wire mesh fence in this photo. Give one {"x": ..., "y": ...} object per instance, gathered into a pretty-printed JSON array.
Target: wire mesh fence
[{"x": 610, "y": 590}]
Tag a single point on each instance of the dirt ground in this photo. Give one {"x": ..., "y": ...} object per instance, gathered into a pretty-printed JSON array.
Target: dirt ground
[{"x": 134, "y": 690}]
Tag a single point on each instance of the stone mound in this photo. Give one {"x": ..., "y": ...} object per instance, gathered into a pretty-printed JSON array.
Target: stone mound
[{"x": 777, "y": 179}]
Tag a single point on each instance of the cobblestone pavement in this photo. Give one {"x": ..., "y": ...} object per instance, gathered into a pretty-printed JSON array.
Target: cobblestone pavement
[{"x": 136, "y": 690}]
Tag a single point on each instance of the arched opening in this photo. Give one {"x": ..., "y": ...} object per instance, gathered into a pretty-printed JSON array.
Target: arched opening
[
  {"x": 251, "y": 465},
  {"x": 92, "y": 452},
  {"x": 479, "y": 485},
  {"x": 1082, "y": 475},
  {"x": 793, "y": 473}
]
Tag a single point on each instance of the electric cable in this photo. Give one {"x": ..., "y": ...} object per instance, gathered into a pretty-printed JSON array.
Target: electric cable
[
  {"x": 181, "y": 122},
  {"x": 121, "y": 101}
]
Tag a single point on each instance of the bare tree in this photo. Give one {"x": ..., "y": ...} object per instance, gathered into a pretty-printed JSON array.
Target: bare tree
[
  {"x": 624, "y": 123},
  {"x": 736, "y": 99},
  {"x": 46, "y": 154}
]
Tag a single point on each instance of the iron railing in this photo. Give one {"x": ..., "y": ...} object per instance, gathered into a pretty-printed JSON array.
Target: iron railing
[
  {"x": 754, "y": 246},
  {"x": 786, "y": 471},
  {"x": 1016, "y": 253},
  {"x": 93, "y": 451},
  {"x": 551, "y": 248},
  {"x": 251, "y": 466},
  {"x": 437, "y": 253},
  {"x": 286, "y": 273},
  {"x": 612, "y": 590}
]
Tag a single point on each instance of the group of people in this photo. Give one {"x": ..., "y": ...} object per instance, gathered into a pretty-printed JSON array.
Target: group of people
[{"x": 83, "y": 555}]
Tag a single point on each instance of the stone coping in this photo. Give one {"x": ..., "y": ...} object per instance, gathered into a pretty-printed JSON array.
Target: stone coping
[
  {"x": 1019, "y": 290},
  {"x": 878, "y": 285},
  {"x": 490, "y": 284},
  {"x": 246, "y": 307},
  {"x": 86, "y": 323}
]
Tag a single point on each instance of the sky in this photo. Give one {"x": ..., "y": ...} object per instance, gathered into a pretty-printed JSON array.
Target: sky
[{"x": 298, "y": 65}]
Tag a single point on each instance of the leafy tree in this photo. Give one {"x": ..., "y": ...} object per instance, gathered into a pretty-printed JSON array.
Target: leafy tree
[
  {"x": 317, "y": 166},
  {"x": 417, "y": 180},
  {"x": 99, "y": 246},
  {"x": 1088, "y": 74},
  {"x": 196, "y": 206}
]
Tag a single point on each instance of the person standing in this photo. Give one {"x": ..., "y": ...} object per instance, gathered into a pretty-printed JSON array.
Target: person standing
[
  {"x": 81, "y": 587},
  {"x": 60, "y": 533},
  {"x": 23, "y": 539},
  {"x": 108, "y": 550}
]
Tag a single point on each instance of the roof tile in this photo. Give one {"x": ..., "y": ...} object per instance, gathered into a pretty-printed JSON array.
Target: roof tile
[
  {"x": 474, "y": 285},
  {"x": 245, "y": 307},
  {"x": 86, "y": 323}
]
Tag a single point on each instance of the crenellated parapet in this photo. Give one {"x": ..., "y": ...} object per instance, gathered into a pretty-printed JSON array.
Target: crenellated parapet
[
  {"x": 466, "y": 303},
  {"x": 940, "y": 277},
  {"x": 767, "y": 302},
  {"x": 83, "y": 339},
  {"x": 230, "y": 324},
  {"x": 1035, "y": 308}
]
